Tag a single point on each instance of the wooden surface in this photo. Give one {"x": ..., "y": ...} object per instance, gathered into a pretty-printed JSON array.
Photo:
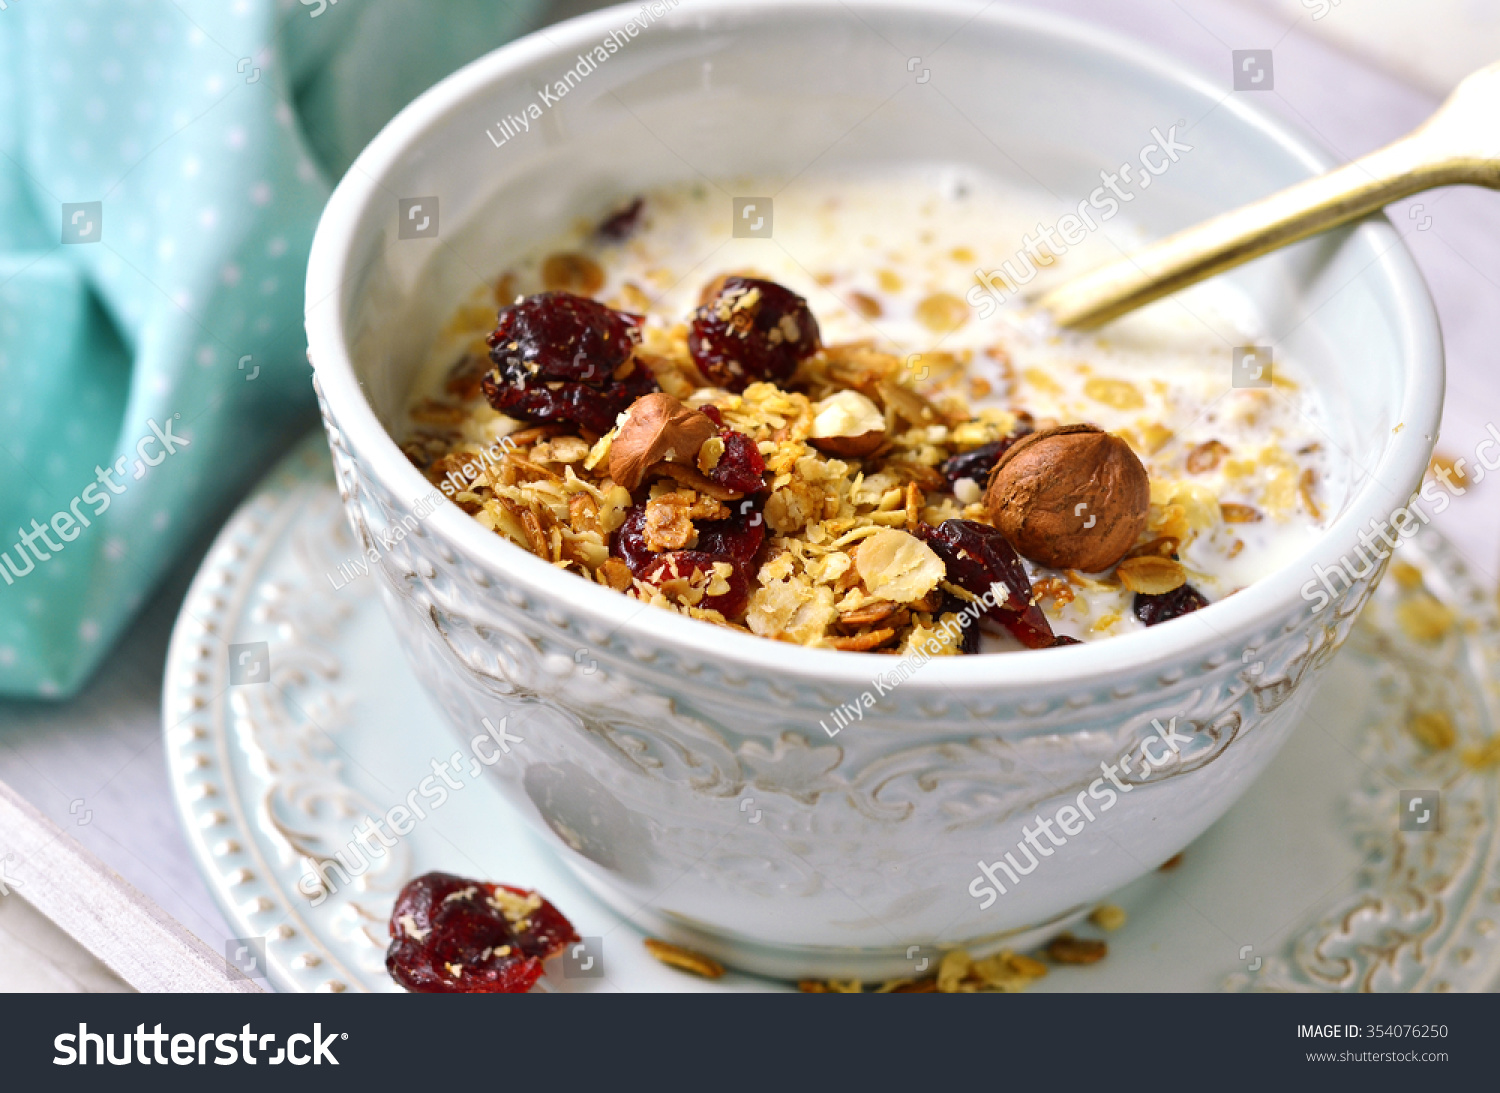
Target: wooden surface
[{"x": 120, "y": 928}]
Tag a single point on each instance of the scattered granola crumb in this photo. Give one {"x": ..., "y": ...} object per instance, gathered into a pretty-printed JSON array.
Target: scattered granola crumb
[
  {"x": 1171, "y": 863},
  {"x": 1485, "y": 756},
  {"x": 1433, "y": 730},
  {"x": 1067, "y": 949},
  {"x": 1407, "y": 576},
  {"x": 1423, "y": 617},
  {"x": 908, "y": 986},
  {"x": 1005, "y": 972},
  {"x": 675, "y": 956},
  {"x": 831, "y": 986},
  {"x": 1107, "y": 916},
  {"x": 1443, "y": 465}
]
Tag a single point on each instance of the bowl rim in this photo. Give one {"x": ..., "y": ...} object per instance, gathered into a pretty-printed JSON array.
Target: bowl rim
[{"x": 1177, "y": 644}]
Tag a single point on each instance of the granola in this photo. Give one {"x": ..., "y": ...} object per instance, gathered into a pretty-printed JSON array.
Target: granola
[{"x": 835, "y": 458}]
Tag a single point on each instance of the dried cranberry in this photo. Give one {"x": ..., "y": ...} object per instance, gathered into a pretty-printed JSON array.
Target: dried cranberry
[
  {"x": 1182, "y": 600},
  {"x": 736, "y": 538},
  {"x": 952, "y": 605},
  {"x": 560, "y": 336},
  {"x": 556, "y": 356},
  {"x": 630, "y": 540},
  {"x": 978, "y": 557},
  {"x": 678, "y": 564},
  {"x": 740, "y": 468},
  {"x": 593, "y": 408},
  {"x": 751, "y": 330},
  {"x": 621, "y": 224},
  {"x": 978, "y": 463},
  {"x": 448, "y": 935}
]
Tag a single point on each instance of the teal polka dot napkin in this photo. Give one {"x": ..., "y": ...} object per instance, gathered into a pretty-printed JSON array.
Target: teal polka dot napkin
[{"x": 162, "y": 167}]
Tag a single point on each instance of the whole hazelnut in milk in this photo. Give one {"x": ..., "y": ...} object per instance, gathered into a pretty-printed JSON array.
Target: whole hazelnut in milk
[{"x": 1072, "y": 497}]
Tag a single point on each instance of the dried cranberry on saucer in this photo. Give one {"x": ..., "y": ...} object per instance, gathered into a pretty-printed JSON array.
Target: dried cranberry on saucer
[
  {"x": 978, "y": 557},
  {"x": 450, "y": 935},
  {"x": 565, "y": 358},
  {"x": 751, "y": 330},
  {"x": 1182, "y": 600}
]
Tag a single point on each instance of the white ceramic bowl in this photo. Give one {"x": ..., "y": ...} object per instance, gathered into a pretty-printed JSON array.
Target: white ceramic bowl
[{"x": 680, "y": 768}]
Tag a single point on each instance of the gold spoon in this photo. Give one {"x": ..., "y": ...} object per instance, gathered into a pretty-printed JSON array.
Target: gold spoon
[{"x": 1458, "y": 144}]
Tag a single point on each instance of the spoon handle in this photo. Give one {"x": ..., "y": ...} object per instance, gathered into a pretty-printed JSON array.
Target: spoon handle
[{"x": 1446, "y": 150}]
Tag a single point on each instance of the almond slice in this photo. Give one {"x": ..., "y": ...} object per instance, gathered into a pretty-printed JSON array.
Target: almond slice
[
  {"x": 863, "y": 643},
  {"x": 1206, "y": 457},
  {"x": 1151, "y": 574},
  {"x": 898, "y": 566}
]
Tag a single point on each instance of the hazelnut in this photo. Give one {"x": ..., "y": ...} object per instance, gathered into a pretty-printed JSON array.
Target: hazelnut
[
  {"x": 847, "y": 424},
  {"x": 1070, "y": 497},
  {"x": 657, "y": 429}
]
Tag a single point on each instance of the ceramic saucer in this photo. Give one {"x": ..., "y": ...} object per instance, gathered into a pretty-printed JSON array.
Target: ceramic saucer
[{"x": 1309, "y": 883}]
